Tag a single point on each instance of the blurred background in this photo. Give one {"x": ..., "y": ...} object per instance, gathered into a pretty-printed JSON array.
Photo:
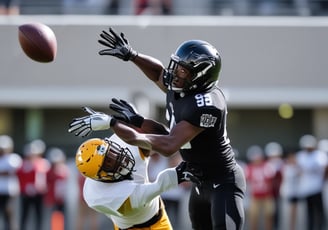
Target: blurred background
[{"x": 274, "y": 54}]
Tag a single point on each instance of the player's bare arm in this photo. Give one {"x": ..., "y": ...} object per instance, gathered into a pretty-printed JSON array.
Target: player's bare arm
[
  {"x": 151, "y": 126},
  {"x": 167, "y": 145},
  {"x": 117, "y": 45},
  {"x": 152, "y": 68}
]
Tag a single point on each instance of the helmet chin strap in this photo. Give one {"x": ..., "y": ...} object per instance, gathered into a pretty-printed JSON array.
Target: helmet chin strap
[
  {"x": 182, "y": 91},
  {"x": 175, "y": 89}
]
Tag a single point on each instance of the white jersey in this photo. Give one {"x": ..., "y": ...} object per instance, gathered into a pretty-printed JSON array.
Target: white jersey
[
  {"x": 313, "y": 167},
  {"x": 110, "y": 198},
  {"x": 9, "y": 163},
  {"x": 290, "y": 181}
]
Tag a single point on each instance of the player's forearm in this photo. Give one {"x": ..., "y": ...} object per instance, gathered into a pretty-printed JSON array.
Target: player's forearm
[
  {"x": 152, "y": 126},
  {"x": 131, "y": 136},
  {"x": 150, "y": 66},
  {"x": 163, "y": 144},
  {"x": 144, "y": 193}
]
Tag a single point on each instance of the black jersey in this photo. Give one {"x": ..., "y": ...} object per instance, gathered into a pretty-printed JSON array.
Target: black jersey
[{"x": 210, "y": 150}]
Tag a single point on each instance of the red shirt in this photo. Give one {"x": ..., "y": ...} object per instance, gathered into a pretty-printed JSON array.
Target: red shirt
[
  {"x": 32, "y": 176},
  {"x": 260, "y": 179},
  {"x": 56, "y": 180}
]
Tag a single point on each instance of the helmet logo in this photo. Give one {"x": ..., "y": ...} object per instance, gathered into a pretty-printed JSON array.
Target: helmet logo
[
  {"x": 203, "y": 72},
  {"x": 101, "y": 150}
]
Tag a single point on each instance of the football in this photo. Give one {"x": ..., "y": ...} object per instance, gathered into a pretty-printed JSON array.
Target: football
[{"x": 38, "y": 41}]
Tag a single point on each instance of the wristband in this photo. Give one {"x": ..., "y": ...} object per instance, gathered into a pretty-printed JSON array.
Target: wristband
[
  {"x": 133, "y": 55},
  {"x": 112, "y": 122}
]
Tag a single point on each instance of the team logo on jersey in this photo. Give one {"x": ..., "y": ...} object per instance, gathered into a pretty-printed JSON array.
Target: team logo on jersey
[{"x": 207, "y": 120}]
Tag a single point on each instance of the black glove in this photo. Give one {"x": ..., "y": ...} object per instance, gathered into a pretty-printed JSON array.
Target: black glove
[
  {"x": 118, "y": 45},
  {"x": 126, "y": 112},
  {"x": 186, "y": 172}
]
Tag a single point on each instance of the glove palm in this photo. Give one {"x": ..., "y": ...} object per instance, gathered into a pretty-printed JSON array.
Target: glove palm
[
  {"x": 83, "y": 126},
  {"x": 126, "y": 112},
  {"x": 118, "y": 45}
]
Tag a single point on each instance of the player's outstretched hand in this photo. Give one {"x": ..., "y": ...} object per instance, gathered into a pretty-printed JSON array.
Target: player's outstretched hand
[
  {"x": 117, "y": 45},
  {"x": 95, "y": 121},
  {"x": 126, "y": 112},
  {"x": 186, "y": 172}
]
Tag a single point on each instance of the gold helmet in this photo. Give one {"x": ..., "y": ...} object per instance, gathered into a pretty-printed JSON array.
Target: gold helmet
[{"x": 104, "y": 160}]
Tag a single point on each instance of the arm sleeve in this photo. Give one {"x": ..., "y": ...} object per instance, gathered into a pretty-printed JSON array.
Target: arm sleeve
[{"x": 144, "y": 193}]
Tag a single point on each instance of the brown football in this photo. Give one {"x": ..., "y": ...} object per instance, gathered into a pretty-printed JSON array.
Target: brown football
[{"x": 38, "y": 41}]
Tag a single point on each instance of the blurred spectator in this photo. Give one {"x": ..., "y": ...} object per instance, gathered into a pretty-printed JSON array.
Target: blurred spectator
[
  {"x": 112, "y": 7},
  {"x": 232, "y": 7},
  {"x": 57, "y": 178},
  {"x": 289, "y": 187},
  {"x": 313, "y": 164},
  {"x": 162, "y": 7},
  {"x": 153, "y": 7},
  {"x": 9, "y": 7},
  {"x": 259, "y": 177},
  {"x": 32, "y": 179},
  {"x": 318, "y": 8},
  {"x": 86, "y": 7},
  {"x": 266, "y": 7},
  {"x": 323, "y": 145},
  {"x": 323, "y": 5},
  {"x": 169, "y": 7},
  {"x": 274, "y": 153},
  {"x": 140, "y": 6},
  {"x": 273, "y": 7},
  {"x": 302, "y": 7},
  {"x": 9, "y": 187}
]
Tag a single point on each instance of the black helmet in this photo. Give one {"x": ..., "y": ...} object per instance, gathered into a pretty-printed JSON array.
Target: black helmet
[{"x": 201, "y": 59}]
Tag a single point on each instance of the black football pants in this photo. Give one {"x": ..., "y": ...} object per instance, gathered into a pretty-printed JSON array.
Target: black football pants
[{"x": 218, "y": 206}]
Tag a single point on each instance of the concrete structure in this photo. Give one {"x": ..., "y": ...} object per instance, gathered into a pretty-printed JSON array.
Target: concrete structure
[{"x": 266, "y": 62}]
